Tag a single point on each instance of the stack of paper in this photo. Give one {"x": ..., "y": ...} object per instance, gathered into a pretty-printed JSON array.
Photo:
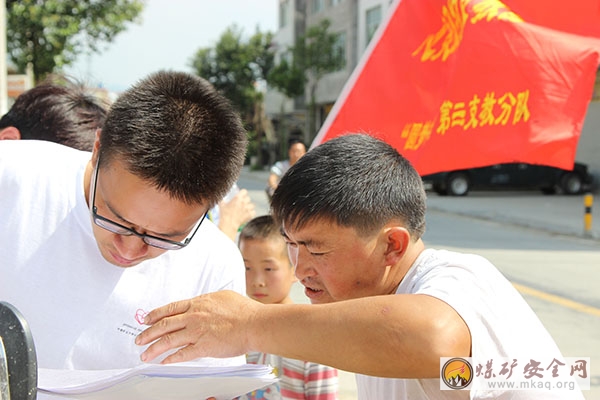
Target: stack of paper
[{"x": 153, "y": 381}]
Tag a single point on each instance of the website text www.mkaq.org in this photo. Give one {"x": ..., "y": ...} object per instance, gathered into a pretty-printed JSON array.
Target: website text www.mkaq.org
[{"x": 531, "y": 385}]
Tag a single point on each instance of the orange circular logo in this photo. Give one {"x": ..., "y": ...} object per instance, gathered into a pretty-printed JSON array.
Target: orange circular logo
[{"x": 457, "y": 373}]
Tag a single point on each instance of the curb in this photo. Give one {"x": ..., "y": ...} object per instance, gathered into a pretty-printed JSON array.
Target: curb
[{"x": 521, "y": 223}]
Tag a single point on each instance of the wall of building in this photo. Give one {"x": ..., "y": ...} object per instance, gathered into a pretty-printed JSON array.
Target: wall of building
[
  {"x": 363, "y": 7},
  {"x": 343, "y": 18},
  {"x": 588, "y": 150},
  {"x": 283, "y": 39}
]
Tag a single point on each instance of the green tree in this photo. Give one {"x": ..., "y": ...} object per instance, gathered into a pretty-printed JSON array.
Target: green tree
[
  {"x": 235, "y": 66},
  {"x": 290, "y": 80},
  {"x": 50, "y": 34},
  {"x": 314, "y": 54}
]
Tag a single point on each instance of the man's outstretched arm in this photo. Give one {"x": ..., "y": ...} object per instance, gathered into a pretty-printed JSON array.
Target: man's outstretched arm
[{"x": 400, "y": 336}]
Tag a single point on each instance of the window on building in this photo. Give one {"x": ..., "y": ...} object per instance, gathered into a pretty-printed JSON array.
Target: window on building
[
  {"x": 283, "y": 7},
  {"x": 372, "y": 21},
  {"x": 340, "y": 45},
  {"x": 317, "y": 6}
]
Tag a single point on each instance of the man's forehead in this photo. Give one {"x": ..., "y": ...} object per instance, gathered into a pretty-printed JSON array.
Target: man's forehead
[{"x": 310, "y": 230}]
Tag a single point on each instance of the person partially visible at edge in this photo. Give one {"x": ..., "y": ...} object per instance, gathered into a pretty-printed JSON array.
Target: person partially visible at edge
[
  {"x": 269, "y": 279},
  {"x": 233, "y": 211},
  {"x": 296, "y": 149},
  {"x": 58, "y": 110},
  {"x": 92, "y": 241},
  {"x": 352, "y": 211}
]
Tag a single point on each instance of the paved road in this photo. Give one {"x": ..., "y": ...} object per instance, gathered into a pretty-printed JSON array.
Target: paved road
[{"x": 556, "y": 214}]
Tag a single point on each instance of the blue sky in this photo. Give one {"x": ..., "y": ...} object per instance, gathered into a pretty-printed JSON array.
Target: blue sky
[{"x": 170, "y": 34}]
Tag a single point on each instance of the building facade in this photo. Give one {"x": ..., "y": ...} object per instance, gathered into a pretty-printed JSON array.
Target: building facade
[{"x": 353, "y": 21}]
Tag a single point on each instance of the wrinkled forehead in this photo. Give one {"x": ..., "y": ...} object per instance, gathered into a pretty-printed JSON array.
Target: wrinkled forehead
[
  {"x": 301, "y": 224},
  {"x": 306, "y": 223},
  {"x": 297, "y": 221}
]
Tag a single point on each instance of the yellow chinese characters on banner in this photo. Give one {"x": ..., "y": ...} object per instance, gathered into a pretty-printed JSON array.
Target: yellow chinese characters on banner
[
  {"x": 454, "y": 18},
  {"x": 476, "y": 113}
]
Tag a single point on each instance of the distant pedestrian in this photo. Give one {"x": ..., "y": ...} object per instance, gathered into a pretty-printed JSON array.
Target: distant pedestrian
[{"x": 296, "y": 149}]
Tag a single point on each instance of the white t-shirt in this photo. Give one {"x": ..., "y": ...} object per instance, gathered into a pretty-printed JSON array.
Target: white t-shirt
[
  {"x": 501, "y": 324},
  {"x": 84, "y": 312},
  {"x": 280, "y": 168}
]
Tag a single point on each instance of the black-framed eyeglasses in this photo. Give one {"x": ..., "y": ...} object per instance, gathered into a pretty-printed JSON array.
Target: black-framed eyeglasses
[{"x": 119, "y": 229}]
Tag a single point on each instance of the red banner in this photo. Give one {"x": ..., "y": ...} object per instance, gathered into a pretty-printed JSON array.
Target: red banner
[
  {"x": 581, "y": 17},
  {"x": 457, "y": 84}
]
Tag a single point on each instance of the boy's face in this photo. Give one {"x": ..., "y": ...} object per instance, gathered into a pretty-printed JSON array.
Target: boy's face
[{"x": 269, "y": 274}]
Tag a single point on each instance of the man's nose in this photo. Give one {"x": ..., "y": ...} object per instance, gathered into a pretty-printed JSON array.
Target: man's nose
[
  {"x": 302, "y": 268},
  {"x": 131, "y": 247}
]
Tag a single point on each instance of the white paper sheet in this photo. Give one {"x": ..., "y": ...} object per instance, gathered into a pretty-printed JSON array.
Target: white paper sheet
[{"x": 181, "y": 381}]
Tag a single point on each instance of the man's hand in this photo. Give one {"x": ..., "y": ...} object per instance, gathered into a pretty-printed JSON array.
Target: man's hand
[{"x": 211, "y": 325}]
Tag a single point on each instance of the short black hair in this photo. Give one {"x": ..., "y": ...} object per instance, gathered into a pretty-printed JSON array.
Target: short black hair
[
  {"x": 174, "y": 130},
  {"x": 353, "y": 180},
  {"x": 261, "y": 227},
  {"x": 294, "y": 140},
  {"x": 60, "y": 110}
]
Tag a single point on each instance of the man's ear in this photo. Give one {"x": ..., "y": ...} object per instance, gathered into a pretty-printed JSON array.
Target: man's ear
[
  {"x": 10, "y": 133},
  {"x": 398, "y": 239}
]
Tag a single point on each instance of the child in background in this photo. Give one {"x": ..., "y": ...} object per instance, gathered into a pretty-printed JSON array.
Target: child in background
[{"x": 269, "y": 279}]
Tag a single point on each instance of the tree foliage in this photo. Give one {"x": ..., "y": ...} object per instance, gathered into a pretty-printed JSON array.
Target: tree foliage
[
  {"x": 235, "y": 65},
  {"x": 314, "y": 54},
  {"x": 317, "y": 52},
  {"x": 288, "y": 78},
  {"x": 52, "y": 33}
]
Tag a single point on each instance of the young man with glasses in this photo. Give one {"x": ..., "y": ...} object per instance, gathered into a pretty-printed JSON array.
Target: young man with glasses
[{"x": 89, "y": 242}]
